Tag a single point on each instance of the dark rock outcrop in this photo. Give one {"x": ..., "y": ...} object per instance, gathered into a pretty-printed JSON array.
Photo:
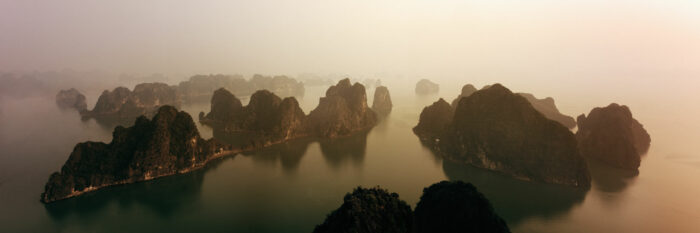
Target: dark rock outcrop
[
  {"x": 266, "y": 120},
  {"x": 224, "y": 107},
  {"x": 444, "y": 207},
  {"x": 434, "y": 121},
  {"x": 426, "y": 87},
  {"x": 467, "y": 90},
  {"x": 382, "y": 101},
  {"x": 452, "y": 207},
  {"x": 612, "y": 135},
  {"x": 121, "y": 103},
  {"x": 71, "y": 98},
  {"x": 166, "y": 145},
  {"x": 547, "y": 107},
  {"x": 369, "y": 211},
  {"x": 342, "y": 112},
  {"x": 498, "y": 130}
]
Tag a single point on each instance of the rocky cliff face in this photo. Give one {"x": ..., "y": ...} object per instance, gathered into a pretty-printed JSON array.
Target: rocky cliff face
[
  {"x": 382, "y": 101},
  {"x": 71, "y": 98},
  {"x": 342, "y": 112},
  {"x": 498, "y": 130},
  {"x": 547, "y": 107},
  {"x": 467, "y": 90},
  {"x": 166, "y": 145},
  {"x": 427, "y": 87},
  {"x": 456, "y": 207},
  {"x": 121, "y": 103},
  {"x": 612, "y": 135},
  {"x": 368, "y": 211}
]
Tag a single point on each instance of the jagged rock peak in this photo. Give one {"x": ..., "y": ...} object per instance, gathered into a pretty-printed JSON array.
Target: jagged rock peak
[
  {"x": 166, "y": 145},
  {"x": 455, "y": 206},
  {"x": 612, "y": 135},
  {"x": 342, "y": 111},
  {"x": 382, "y": 101},
  {"x": 368, "y": 211}
]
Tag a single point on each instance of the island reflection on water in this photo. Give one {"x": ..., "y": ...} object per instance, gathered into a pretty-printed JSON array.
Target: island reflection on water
[{"x": 290, "y": 187}]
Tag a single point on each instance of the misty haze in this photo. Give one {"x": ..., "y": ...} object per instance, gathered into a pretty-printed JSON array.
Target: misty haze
[{"x": 349, "y": 116}]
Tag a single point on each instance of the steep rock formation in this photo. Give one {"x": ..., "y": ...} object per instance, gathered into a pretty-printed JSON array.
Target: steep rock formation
[
  {"x": 498, "y": 130},
  {"x": 369, "y": 211},
  {"x": 427, "y": 87},
  {"x": 434, "y": 121},
  {"x": 342, "y": 112},
  {"x": 612, "y": 135},
  {"x": 121, "y": 103},
  {"x": 467, "y": 90},
  {"x": 224, "y": 107},
  {"x": 453, "y": 207},
  {"x": 71, "y": 98},
  {"x": 547, "y": 107},
  {"x": 382, "y": 101},
  {"x": 166, "y": 145},
  {"x": 267, "y": 119}
]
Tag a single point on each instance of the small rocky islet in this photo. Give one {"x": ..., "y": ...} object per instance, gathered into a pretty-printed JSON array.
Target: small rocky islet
[
  {"x": 610, "y": 134},
  {"x": 426, "y": 87},
  {"x": 447, "y": 206},
  {"x": 71, "y": 98},
  {"x": 381, "y": 104}
]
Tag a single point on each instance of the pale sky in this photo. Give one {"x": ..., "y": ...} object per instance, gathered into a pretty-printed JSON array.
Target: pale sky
[
  {"x": 545, "y": 40},
  {"x": 584, "y": 53}
]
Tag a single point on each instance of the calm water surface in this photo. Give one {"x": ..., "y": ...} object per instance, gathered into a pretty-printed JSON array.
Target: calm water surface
[{"x": 291, "y": 187}]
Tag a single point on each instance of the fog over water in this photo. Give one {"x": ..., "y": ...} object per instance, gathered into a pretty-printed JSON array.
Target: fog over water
[{"x": 584, "y": 54}]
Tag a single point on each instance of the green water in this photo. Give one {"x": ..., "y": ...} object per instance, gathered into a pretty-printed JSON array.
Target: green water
[{"x": 291, "y": 187}]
